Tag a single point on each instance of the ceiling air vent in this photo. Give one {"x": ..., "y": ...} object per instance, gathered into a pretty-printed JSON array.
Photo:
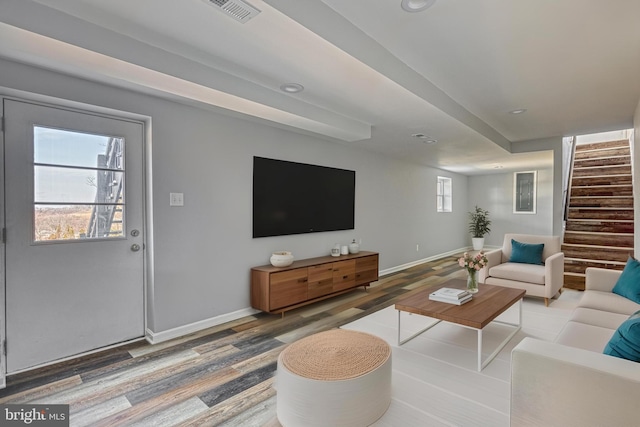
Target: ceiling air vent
[{"x": 237, "y": 9}]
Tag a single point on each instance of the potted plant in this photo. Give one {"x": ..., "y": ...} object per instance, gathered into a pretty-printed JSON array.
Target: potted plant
[{"x": 479, "y": 224}]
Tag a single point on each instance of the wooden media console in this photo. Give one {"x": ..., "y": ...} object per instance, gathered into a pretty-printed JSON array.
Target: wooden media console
[{"x": 278, "y": 289}]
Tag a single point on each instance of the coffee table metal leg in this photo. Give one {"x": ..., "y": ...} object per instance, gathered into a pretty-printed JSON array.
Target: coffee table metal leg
[
  {"x": 400, "y": 342},
  {"x": 517, "y": 326},
  {"x": 480, "y": 350}
]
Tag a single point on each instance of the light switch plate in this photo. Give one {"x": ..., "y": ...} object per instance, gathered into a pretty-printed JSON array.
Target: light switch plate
[{"x": 176, "y": 199}]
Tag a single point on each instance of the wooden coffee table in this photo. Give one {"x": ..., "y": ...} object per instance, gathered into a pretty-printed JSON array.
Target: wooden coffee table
[{"x": 486, "y": 305}]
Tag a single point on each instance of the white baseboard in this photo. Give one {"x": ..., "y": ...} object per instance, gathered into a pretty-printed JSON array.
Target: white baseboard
[
  {"x": 422, "y": 261},
  {"x": 158, "y": 337}
]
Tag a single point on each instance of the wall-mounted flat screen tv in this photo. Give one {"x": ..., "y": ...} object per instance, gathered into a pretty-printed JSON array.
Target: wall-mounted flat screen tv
[{"x": 296, "y": 198}]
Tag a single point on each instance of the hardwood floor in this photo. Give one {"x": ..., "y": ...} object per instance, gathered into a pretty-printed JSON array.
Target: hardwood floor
[{"x": 220, "y": 376}]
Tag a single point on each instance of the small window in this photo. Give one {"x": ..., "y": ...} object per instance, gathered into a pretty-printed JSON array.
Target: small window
[
  {"x": 524, "y": 192},
  {"x": 443, "y": 194}
]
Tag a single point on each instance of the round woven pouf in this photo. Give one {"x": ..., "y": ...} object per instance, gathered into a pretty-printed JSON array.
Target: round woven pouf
[{"x": 334, "y": 378}]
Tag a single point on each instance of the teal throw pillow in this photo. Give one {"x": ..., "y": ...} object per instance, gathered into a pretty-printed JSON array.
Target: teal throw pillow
[
  {"x": 628, "y": 284},
  {"x": 625, "y": 342},
  {"x": 526, "y": 253}
]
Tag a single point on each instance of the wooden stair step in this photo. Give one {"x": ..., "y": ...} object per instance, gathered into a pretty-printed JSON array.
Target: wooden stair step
[
  {"x": 619, "y": 240},
  {"x": 605, "y": 253},
  {"x": 602, "y": 161},
  {"x": 602, "y": 190},
  {"x": 600, "y": 213},
  {"x": 574, "y": 281},
  {"x": 596, "y": 225},
  {"x": 600, "y": 201},
  {"x": 577, "y": 265},
  {"x": 601, "y": 170},
  {"x": 585, "y": 181},
  {"x": 606, "y": 152},
  {"x": 602, "y": 144}
]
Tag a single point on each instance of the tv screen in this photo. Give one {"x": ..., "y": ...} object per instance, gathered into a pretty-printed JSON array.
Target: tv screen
[{"x": 296, "y": 198}]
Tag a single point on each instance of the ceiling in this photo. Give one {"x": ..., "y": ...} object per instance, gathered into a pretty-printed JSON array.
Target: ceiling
[{"x": 373, "y": 74}]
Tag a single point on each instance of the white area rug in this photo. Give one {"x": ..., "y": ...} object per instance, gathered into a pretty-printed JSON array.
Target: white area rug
[{"x": 435, "y": 380}]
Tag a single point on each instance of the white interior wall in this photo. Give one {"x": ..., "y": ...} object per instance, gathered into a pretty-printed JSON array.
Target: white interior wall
[
  {"x": 204, "y": 250},
  {"x": 495, "y": 194}
]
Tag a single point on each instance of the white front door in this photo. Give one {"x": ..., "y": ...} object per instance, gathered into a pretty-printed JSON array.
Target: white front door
[{"x": 74, "y": 218}]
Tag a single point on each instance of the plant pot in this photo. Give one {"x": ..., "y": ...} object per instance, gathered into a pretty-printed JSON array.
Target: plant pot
[{"x": 478, "y": 243}]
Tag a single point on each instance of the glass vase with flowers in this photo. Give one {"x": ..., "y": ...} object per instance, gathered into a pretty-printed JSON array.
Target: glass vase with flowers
[{"x": 473, "y": 264}]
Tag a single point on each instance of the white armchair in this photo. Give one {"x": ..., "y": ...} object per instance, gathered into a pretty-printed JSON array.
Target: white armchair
[{"x": 537, "y": 280}]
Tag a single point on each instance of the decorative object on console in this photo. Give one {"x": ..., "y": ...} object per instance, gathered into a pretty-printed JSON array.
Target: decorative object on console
[
  {"x": 344, "y": 250},
  {"x": 354, "y": 248},
  {"x": 479, "y": 226},
  {"x": 335, "y": 251},
  {"x": 473, "y": 263},
  {"x": 281, "y": 259}
]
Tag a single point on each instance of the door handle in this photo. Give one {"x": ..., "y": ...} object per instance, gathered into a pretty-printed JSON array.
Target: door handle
[{"x": 135, "y": 247}]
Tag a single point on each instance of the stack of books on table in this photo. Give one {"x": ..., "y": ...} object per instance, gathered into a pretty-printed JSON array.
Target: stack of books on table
[{"x": 451, "y": 296}]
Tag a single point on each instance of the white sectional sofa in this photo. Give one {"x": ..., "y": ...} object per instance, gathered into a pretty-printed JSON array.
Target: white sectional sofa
[{"x": 570, "y": 382}]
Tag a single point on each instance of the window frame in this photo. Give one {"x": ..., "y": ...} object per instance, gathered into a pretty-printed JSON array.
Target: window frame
[{"x": 444, "y": 194}]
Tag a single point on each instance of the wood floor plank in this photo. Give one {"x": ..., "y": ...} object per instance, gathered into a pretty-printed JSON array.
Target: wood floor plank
[
  {"x": 173, "y": 396},
  {"x": 42, "y": 391},
  {"x": 235, "y": 405},
  {"x": 174, "y": 414},
  {"x": 147, "y": 349},
  {"x": 225, "y": 391},
  {"x": 257, "y": 416},
  {"x": 94, "y": 414},
  {"x": 111, "y": 386}
]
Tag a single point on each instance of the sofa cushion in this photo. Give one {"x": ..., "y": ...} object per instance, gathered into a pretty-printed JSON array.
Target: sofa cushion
[
  {"x": 628, "y": 284},
  {"x": 517, "y": 271},
  {"x": 526, "y": 253},
  {"x": 587, "y": 337},
  {"x": 625, "y": 342},
  {"x": 607, "y": 301},
  {"x": 604, "y": 319}
]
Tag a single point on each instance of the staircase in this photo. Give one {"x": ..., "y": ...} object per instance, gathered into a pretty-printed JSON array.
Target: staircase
[{"x": 599, "y": 227}]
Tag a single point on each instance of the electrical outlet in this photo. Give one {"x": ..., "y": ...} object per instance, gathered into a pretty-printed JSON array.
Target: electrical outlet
[{"x": 417, "y": 248}]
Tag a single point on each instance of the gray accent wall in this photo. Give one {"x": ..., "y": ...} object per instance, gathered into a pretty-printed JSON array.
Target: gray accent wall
[{"x": 203, "y": 251}]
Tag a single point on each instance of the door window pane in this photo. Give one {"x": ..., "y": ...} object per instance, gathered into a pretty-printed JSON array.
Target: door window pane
[
  {"x": 66, "y": 185},
  {"x": 63, "y": 147},
  {"x": 78, "y": 185}
]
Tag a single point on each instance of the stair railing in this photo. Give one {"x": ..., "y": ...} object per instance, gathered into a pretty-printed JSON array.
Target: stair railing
[{"x": 567, "y": 191}]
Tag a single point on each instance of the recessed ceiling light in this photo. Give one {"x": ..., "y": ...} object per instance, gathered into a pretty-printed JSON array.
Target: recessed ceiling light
[
  {"x": 416, "y": 5},
  {"x": 292, "y": 87},
  {"x": 424, "y": 138},
  {"x": 518, "y": 111}
]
